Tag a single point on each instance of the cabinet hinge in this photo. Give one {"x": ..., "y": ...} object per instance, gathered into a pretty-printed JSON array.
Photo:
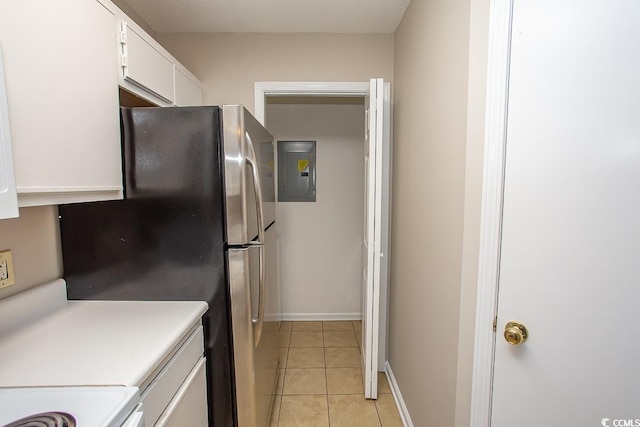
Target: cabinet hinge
[
  {"x": 123, "y": 32},
  {"x": 495, "y": 324},
  {"x": 123, "y": 44}
]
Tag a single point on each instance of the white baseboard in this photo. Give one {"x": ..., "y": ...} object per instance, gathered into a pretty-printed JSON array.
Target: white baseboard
[
  {"x": 397, "y": 396},
  {"x": 320, "y": 316}
]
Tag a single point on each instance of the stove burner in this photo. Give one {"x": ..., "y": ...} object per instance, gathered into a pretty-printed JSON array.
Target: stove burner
[{"x": 46, "y": 419}]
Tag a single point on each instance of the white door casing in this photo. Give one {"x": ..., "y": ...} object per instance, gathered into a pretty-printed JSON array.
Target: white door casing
[
  {"x": 570, "y": 239},
  {"x": 491, "y": 209},
  {"x": 378, "y": 304}
]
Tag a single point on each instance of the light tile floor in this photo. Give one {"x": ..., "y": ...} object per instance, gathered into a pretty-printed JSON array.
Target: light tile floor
[{"x": 321, "y": 383}]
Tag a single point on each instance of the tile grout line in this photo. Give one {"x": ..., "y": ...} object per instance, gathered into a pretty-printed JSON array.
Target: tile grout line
[
  {"x": 285, "y": 371},
  {"x": 326, "y": 376},
  {"x": 327, "y": 394},
  {"x": 326, "y": 379},
  {"x": 375, "y": 405}
]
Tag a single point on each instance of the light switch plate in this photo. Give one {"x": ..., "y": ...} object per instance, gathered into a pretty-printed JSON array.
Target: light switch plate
[{"x": 6, "y": 269}]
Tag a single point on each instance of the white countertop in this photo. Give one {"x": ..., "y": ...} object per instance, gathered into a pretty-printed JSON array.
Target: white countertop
[{"x": 82, "y": 343}]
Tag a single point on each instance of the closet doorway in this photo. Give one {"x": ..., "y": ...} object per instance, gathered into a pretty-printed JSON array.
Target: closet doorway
[{"x": 333, "y": 252}]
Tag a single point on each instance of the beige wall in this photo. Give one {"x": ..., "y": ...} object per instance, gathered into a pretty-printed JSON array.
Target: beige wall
[
  {"x": 229, "y": 64},
  {"x": 439, "y": 107},
  {"x": 34, "y": 240},
  {"x": 438, "y": 76},
  {"x": 436, "y": 62},
  {"x": 320, "y": 244},
  {"x": 136, "y": 18}
]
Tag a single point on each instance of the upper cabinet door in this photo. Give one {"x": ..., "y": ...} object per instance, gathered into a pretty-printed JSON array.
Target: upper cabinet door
[
  {"x": 62, "y": 99},
  {"x": 188, "y": 90},
  {"x": 8, "y": 196},
  {"x": 144, "y": 65}
]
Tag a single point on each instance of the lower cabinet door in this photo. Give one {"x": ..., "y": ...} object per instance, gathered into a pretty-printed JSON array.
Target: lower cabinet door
[
  {"x": 189, "y": 405},
  {"x": 136, "y": 419}
]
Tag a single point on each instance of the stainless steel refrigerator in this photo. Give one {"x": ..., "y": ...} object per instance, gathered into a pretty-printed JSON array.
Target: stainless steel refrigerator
[{"x": 197, "y": 223}]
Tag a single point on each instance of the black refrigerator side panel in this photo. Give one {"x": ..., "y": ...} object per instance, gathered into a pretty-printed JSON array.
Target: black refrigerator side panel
[{"x": 165, "y": 241}]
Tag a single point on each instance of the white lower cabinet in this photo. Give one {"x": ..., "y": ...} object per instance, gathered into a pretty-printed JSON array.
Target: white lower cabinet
[
  {"x": 189, "y": 406},
  {"x": 62, "y": 99},
  {"x": 178, "y": 391}
]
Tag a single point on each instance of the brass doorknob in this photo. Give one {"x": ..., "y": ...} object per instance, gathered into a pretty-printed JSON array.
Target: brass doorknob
[{"x": 515, "y": 333}]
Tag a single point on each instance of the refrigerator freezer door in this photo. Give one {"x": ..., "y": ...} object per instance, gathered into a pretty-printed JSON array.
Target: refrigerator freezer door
[
  {"x": 243, "y": 136},
  {"x": 256, "y": 367},
  {"x": 168, "y": 151}
]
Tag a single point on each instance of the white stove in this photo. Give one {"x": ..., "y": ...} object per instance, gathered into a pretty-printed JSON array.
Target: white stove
[{"x": 110, "y": 406}]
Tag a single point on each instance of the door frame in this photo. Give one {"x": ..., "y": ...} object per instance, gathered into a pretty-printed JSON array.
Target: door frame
[
  {"x": 500, "y": 15},
  {"x": 264, "y": 89},
  {"x": 339, "y": 89}
]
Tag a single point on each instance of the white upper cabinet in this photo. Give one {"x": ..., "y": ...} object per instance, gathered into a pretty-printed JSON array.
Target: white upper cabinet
[
  {"x": 149, "y": 71},
  {"x": 62, "y": 99},
  {"x": 8, "y": 195},
  {"x": 188, "y": 90},
  {"x": 63, "y": 63},
  {"x": 144, "y": 64}
]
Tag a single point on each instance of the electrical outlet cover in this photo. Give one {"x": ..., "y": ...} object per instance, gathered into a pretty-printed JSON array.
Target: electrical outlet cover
[{"x": 6, "y": 269}]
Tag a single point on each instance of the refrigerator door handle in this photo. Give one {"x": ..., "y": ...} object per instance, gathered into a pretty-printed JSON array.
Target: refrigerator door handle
[
  {"x": 259, "y": 319},
  {"x": 253, "y": 162}
]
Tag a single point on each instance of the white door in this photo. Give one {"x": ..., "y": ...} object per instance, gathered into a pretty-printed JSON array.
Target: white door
[
  {"x": 570, "y": 257},
  {"x": 374, "y": 263}
]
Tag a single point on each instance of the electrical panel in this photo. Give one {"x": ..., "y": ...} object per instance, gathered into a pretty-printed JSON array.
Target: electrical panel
[{"x": 296, "y": 171}]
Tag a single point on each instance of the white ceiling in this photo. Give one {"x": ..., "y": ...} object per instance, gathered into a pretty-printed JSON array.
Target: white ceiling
[{"x": 271, "y": 16}]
